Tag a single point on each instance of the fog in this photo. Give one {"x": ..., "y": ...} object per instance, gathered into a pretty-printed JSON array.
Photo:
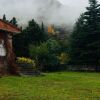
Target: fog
[{"x": 49, "y": 11}]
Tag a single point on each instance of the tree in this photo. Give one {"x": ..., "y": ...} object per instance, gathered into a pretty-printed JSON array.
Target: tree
[
  {"x": 20, "y": 48},
  {"x": 4, "y": 17},
  {"x": 92, "y": 29},
  {"x": 40, "y": 54},
  {"x": 46, "y": 54},
  {"x": 42, "y": 27},
  {"x": 85, "y": 39},
  {"x": 32, "y": 34},
  {"x": 14, "y": 21},
  {"x": 77, "y": 41}
]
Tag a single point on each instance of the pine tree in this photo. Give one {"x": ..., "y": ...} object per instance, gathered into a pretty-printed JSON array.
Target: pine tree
[
  {"x": 77, "y": 42},
  {"x": 86, "y": 36},
  {"x": 14, "y": 21},
  {"x": 92, "y": 28},
  {"x": 4, "y": 17},
  {"x": 32, "y": 34},
  {"x": 42, "y": 27}
]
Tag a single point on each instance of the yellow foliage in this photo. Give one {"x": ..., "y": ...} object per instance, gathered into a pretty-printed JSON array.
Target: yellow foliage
[
  {"x": 64, "y": 58},
  {"x": 25, "y": 60},
  {"x": 51, "y": 30}
]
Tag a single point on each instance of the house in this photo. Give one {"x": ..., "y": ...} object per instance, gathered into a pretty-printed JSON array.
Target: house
[{"x": 7, "y": 56}]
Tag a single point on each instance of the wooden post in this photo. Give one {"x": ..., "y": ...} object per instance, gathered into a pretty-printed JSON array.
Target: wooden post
[{"x": 13, "y": 68}]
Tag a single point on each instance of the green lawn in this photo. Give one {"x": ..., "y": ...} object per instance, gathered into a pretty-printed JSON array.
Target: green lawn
[{"x": 52, "y": 86}]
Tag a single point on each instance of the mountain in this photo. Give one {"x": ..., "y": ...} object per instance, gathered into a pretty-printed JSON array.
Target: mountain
[{"x": 49, "y": 10}]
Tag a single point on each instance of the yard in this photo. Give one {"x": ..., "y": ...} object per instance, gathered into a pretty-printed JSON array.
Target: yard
[{"x": 52, "y": 86}]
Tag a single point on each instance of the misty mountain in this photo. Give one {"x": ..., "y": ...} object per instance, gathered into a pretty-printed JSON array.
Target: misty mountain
[
  {"x": 48, "y": 11},
  {"x": 53, "y": 12}
]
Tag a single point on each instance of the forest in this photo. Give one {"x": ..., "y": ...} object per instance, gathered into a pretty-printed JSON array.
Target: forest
[
  {"x": 53, "y": 48},
  {"x": 44, "y": 61}
]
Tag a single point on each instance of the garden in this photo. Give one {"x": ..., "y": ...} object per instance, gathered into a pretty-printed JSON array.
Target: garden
[
  {"x": 54, "y": 68},
  {"x": 52, "y": 86}
]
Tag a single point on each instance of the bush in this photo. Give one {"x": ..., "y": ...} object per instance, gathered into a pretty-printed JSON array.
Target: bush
[
  {"x": 26, "y": 62},
  {"x": 45, "y": 54},
  {"x": 40, "y": 54},
  {"x": 64, "y": 58}
]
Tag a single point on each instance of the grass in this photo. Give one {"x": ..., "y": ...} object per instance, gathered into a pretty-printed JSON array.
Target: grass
[{"x": 52, "y": 86}]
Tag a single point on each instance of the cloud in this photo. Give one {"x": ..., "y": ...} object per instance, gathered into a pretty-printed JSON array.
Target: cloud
[{"x": 49, "y": 11}]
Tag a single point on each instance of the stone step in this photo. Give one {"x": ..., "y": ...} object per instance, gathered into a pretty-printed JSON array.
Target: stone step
[
  {"x": 34, "y": 73},
  {"x": 29, "y": 70}
]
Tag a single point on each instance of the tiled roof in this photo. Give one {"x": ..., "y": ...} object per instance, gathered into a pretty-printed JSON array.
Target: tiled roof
[{"x": 8, "y": 27}]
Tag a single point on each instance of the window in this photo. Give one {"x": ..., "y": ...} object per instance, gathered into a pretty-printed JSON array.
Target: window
[{"x": 2, "y": 48}]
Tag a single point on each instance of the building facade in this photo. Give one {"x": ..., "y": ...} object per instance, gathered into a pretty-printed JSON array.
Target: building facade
[{"x": 7, "y": 56}]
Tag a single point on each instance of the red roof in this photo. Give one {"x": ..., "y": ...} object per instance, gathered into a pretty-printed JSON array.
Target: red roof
[{"x": 6, "y": 26}]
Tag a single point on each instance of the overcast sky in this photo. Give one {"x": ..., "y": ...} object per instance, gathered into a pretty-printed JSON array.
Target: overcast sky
[
  {"x": 25, "y": 10},
  {"x": 76, "y": 3}
]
